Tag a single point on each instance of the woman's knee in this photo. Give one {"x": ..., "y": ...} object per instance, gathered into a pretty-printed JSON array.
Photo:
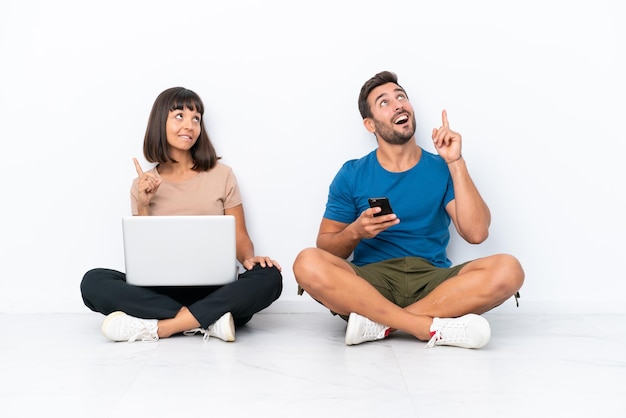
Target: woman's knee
[
  {"x": 89, "y": 281},
  {"x": 270, "y": 276},
  {"x": 271, "y": 273},
  {"x": 94, "y": 280},
  {"x": 275, "y": 277}
]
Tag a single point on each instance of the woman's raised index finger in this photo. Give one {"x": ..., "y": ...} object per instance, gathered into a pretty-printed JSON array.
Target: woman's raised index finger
[
  {"x": 138, "y": 167},
  {"x": 444, "y": 118}
]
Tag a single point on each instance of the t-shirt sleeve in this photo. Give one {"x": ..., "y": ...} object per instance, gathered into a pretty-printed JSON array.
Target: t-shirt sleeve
[
  {"x": 449, "y": 196},
  {"x": 340, "y": 205},
  {"x": 232, "y": 192}
]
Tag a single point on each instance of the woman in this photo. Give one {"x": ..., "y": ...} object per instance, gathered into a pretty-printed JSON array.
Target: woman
[{"x": 187, "y": 180}]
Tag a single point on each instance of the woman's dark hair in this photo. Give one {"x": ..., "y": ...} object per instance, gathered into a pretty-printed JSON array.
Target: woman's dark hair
[
  {"x": 155, "y": 146},
  {"x": 379, "y": 79}
]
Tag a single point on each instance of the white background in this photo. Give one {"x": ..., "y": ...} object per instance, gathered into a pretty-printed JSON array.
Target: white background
[{"x": 536, "y": 88}]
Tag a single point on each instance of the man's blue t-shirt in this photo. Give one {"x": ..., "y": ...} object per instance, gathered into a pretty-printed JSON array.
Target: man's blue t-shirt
[{"x": 417, "y": 196}]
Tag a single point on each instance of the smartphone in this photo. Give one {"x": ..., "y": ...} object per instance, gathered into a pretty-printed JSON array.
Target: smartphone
[{"x": 381, "y": 202}]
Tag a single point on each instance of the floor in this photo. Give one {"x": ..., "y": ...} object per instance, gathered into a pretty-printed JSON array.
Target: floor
[{"x": 286, "y": 365}]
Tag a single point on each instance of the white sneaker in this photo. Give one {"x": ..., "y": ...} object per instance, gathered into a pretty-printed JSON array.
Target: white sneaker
[
  {"x": 223, "y": 328},
  {"x": 360, "y": 329},
  {"x": 467, "y": 331},
  {"x": 119, "y": 326}
]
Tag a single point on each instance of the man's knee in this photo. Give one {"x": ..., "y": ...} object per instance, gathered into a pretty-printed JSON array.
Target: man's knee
[
  {"x": 314, "y": 270},
  {"x": 303, "y": 265},
  {"x": 509, "y": 275},
  {"x": 514, "y": 270}
]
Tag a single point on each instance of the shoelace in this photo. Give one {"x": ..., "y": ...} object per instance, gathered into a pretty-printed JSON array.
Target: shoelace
[
  {"x": 204, "y": 332},
  {"x": 142, "y": 333},
  {"x": 454, "y": 332},
  {"x": 433, "y": 339}
]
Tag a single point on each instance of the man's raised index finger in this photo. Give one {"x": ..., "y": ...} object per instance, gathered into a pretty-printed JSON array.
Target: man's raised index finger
[
  {"x": 138, "y": 167},
  {"x": 444, "y": 118}
]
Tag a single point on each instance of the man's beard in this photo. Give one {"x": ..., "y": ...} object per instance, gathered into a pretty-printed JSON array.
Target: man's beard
[{"x": 390, "y": 136}]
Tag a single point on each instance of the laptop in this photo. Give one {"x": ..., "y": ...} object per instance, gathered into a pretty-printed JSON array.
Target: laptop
[{"x": 180, "y": 250}]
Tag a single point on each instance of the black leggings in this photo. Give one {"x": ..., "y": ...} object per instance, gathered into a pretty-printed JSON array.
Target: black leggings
[{"x": 106, "y": 291}]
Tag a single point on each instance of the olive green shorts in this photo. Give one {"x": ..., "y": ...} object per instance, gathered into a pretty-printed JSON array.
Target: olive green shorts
[{"x": 405, "y": 280}]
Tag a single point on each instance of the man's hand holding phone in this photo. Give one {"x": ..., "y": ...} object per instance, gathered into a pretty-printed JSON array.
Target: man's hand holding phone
[
  {"x": 382, "y": 203},
  {"x": 374, "y": 221}
]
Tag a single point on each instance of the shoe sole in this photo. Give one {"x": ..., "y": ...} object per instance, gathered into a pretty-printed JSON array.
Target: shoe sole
[
  {"x": 484, "y": 324},
  {"x": 478, "y": 322},
  {"x": 230, "y": 336},
  {"x": 350, "y": 331},
  {"x": 107, "y": 321}
]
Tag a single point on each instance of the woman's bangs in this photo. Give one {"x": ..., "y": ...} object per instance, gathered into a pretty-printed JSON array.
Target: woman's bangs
[{"x": 186, "y": 99}]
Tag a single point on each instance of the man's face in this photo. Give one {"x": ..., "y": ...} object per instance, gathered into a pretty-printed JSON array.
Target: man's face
[{"x": 392, "y": 119}]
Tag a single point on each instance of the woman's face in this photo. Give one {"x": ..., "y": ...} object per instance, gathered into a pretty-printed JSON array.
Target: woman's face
[{"x": 183, "y": 128}]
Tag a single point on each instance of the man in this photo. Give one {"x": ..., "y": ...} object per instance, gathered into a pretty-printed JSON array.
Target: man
[{"x": 400, "y": 277}]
